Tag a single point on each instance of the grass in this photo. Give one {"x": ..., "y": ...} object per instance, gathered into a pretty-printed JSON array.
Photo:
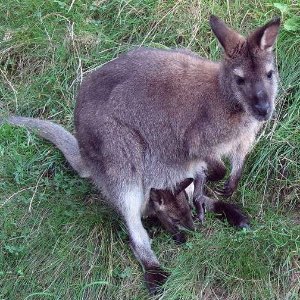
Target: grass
[{"x": 58, "y": 240}]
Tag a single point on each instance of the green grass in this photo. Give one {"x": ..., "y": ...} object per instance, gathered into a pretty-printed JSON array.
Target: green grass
[{"x": 57, "y": 239}]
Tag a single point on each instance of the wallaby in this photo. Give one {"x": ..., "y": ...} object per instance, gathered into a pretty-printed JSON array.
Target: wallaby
[
  {"x": 151, "y": 118},
  {"x": 171, "y": 208}
]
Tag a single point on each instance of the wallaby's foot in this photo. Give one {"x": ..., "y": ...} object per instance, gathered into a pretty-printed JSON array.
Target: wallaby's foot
[
  {"x": 155, "y": 277},
  {"x": 232, "y": 213},
  {"x": 179, "y": 237},
  {"x": 200, "y": 208}
]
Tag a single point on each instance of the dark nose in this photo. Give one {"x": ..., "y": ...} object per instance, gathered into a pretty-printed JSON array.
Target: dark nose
[
  {"x": 262, "y": 105},
  {"x": 189, "y": 224},
  {"x": 263, "y": 108}
]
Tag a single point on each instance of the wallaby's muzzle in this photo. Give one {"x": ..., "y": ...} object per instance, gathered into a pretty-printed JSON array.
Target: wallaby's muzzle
[
  {"x": 263, "y": 110},
  {"x": 262, "y": 105}
]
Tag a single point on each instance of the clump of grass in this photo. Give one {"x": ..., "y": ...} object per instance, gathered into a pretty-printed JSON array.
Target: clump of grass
[{"x": 58, "y": 240}]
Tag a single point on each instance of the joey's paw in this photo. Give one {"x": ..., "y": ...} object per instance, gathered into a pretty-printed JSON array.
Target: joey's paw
[
  {"x": 155, "y": 277},
  {"x": 179, "y": 238},
  {"x": 201, "y": 217}
]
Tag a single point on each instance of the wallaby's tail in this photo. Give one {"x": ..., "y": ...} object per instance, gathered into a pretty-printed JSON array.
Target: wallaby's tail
[{"x": 57, "y": 135}]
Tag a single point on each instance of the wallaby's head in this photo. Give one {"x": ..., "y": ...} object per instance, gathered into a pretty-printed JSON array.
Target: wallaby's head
[
  {"x": 249, "y": 75},
  {"x": 173, "y": 209}
]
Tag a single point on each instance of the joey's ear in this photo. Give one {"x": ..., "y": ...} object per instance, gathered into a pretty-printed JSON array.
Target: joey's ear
[
  {"x": 264, "y": 37},
  {"x": 156, "y": 197},
  {"x": 231, "y": 41},
  {"x": 182, "y": 186}
]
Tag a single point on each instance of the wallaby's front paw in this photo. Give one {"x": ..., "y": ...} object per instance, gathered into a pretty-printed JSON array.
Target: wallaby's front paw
[
  {"x": 179, "y": 237},
  {"x": 227, "y": 190},
  {"x": 200, "y": 209},
  {"x": 155, "y": 277}
]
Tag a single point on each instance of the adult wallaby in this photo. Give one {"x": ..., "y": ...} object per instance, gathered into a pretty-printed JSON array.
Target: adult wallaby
[{"x": 151, "y": 118}]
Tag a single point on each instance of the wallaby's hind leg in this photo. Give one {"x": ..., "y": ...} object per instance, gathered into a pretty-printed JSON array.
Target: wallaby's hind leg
[{"x": 131, "y": 208}]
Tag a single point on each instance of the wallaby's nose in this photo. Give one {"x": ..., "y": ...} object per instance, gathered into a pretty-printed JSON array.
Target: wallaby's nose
[
  {"x": 263, "y": 108},
  {"x": 262, "y": 105}
]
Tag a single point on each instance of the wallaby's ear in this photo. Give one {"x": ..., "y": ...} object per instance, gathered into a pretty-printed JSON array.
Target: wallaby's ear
[
  {"x": 231, "y": 41},
  {"x": 264, "y": 37}
]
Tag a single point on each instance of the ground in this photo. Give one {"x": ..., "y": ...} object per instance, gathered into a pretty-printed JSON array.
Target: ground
[{"x": 58, "y": 240}]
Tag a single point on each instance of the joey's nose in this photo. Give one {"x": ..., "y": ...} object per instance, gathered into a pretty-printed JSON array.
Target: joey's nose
[
  {"x": 263, "y": 108},
  {"x": 189, "y": 224}
]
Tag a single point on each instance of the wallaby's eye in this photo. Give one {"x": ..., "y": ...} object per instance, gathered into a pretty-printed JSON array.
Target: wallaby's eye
[
  {"x": 240, "y": 80},
  {"x": 270, "y": 74}
]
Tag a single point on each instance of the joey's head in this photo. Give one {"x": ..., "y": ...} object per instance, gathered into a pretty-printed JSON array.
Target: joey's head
[
  {"x": 172, "y": 208},
  {"x": 249, "y": 74}
]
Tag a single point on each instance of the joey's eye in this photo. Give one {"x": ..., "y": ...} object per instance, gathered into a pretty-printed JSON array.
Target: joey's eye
[
  {"x": 270, "y": 74},
  {"x": 240, "y": 80},
  {"x": 175, "y": 220}
]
